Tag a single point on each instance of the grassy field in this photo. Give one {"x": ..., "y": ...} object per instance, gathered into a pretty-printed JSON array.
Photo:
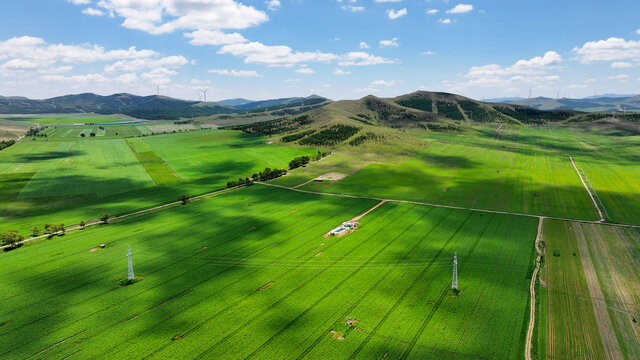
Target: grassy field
[
  {"x": 591, "y": 296},
  {"x": 249, "y": 274},
  {"x": 222, "y": 152},
  {"x": 68, "y": 181},
  {"x": 508, "y": 179}
]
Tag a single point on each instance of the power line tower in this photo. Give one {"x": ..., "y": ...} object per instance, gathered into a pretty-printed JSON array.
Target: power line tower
[
  {"x": 131, "y": 276},
  {"x": 454, "y": 280}
]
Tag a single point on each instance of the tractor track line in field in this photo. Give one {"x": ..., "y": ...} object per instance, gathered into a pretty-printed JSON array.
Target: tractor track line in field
[
  {"x": 228, "y": 267},
  {"x": 595, "y": 204},
  {"x": 401, "y": 298},
  {"x": 360, "y": 299},
  {"x": 277, "y": 302},
  {"x": 451, "y": 206},
  {"x": 532, "y": 293},
  {"x": 426, "y": 321}
]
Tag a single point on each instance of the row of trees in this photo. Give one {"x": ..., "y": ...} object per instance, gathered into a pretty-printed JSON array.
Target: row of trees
[
  {"x": 35, "y": 131},
  {"x": 5, "y": 144},
  {"x": 12, "y": 238},
  {"x": 304, "y": 160},
  {"x": 266, "y": 174},
  {"x": 240, "y": 181}
]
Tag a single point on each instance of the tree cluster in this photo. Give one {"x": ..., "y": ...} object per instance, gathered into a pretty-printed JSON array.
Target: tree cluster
[
  {"x": 11, "y": 238},
  {"x": 5, "y": 144},
  {"x": 449, "y": 110},
  {"x": 360, "y": 139},
  {"x": 443, "y": 127},
  {"x": 36, "y": 132},
  {"x": 296, "y": 136},
  {"x": 54, "y": 228},
  {"x": 395, "y": 116},
  {"x": 299, "y": 161},
  {"x": 476, "y": 112},
  {"x": 240, "y": 181},
  {"x": 268, "y": 174},
  {"x": 331, "y": 136},
  {"x": 272, "y": 127},
  {"x": 417, "y": 103},
  {"x": 534, "y": 116}
]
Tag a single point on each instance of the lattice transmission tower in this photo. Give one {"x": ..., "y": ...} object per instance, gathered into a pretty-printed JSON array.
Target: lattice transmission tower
[
  {"x": 131, "y": 276},
  {"x": 454, "y": 279}
]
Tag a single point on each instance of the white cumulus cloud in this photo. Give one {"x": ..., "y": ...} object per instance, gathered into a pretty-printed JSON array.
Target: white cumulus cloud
[
  {"x": 394, "y": 14},
  {"x": 389, "y": 43},
  {"x": 608, "y": 50},
  {"x": 214, "y": 37},
  {"x": 273, "y": 5},
  {"x": 236, "y": 73},
  {"x": 93, "y": 12},
  {"x": 460, "y": 9},
  {"x": 166, "y": 16}
]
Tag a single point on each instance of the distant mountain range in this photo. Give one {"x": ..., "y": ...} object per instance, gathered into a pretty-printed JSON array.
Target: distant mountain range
[
  {"x": 244, "y": 104},
  {"x": 145, "y": 107},
  {"x": 605, "y": 103}
]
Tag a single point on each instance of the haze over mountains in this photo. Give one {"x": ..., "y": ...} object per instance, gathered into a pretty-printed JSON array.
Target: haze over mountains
[
  {"x": 607, "y": 102},
  {"x": 147, "y": 107}
]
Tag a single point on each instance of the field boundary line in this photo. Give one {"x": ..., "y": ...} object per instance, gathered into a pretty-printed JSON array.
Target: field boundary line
[
  {"x": 450, "y": 206},
  {"x": 98, "y": 222},
  {"x": 532, "y": 293},
  {"x": 595, "y": 204}
]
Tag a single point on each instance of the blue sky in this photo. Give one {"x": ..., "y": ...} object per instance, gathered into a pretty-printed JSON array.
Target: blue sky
[{"x": 340, "y": 49}]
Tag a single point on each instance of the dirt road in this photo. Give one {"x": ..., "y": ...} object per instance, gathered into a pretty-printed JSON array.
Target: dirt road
[{"x": 532, "y": 294}]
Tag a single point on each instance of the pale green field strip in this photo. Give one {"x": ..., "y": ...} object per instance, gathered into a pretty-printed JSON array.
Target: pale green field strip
[
  {"x": 208, "y": 152},
  {"x": 160, "y": 172},
  {"x": 210, "y": 297},
  {"x": 74, "y": 168},
  {"x": 592, "y": 296}
]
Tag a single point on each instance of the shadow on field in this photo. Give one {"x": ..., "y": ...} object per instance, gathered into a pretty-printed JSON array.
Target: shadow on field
[
  {"x": 49, "y": 155},
  {"x": 448, "y": 161},
  {"x": 230, "y": 168}
]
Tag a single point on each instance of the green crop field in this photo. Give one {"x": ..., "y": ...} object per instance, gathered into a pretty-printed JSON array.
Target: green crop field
[
  {"x": 208, "y": 152},
  {"x": 483, "y": 177},
  {"x": 591, "y": 296},
  {"x": 98, "y": 168},
  {"x": 249, "y": 274}
]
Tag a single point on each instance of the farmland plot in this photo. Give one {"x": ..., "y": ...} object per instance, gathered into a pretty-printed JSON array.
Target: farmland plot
[
  {"x": 249, "y": 274},
  {"x": 73, "y": 168},
  {"x": 483, "y": 177},
  {"x": 591, "y": 291},
  {"x": 207, "y": 152}
]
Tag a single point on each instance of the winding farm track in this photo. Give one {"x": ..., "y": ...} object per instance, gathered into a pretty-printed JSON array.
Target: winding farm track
[
  {"x": 595, "y": 204},
  {"x": 532, "y": 293}
]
